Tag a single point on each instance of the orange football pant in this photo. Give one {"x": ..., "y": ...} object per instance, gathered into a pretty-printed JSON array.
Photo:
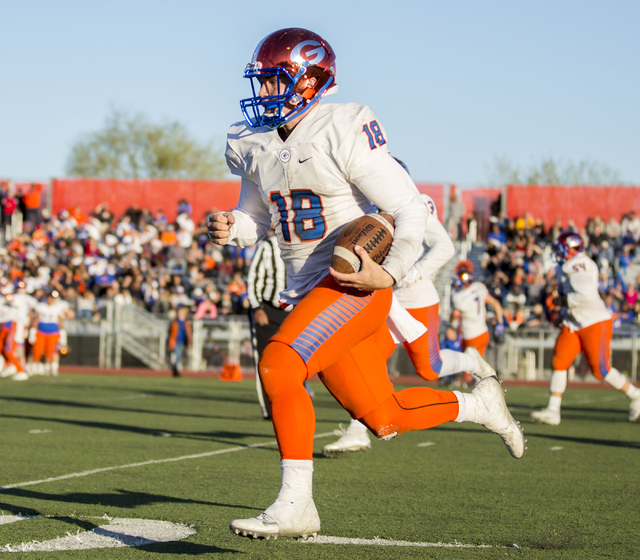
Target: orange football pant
[
  {"x": 45, "y": 344},
  {"x": 594, "y": 341},
  {"x": 9, "y": 345},
  {"x": 342, "y": 333},
  {"x": 480, "y": 343},
  {"x": 425, "y": 351}
]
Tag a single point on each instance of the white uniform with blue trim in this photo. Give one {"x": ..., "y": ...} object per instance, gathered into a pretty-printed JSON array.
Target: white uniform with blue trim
[
  {"x": 578, "y": 280},
  {"x": 324, "y": 175},
  {"x": 417, "y": 290},
  {"x": 470, "y": 302}
]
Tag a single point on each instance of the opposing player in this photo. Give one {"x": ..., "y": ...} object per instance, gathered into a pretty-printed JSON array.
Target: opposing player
[
  {"x": 470, "y": 299},
  {"x": 48, "y": 331},
  {"x": 418, "y": 295},
  {"x": 586, "y": 327},
  {"x": 24, "y": 305},
  {"x": 310, "y": 169}
]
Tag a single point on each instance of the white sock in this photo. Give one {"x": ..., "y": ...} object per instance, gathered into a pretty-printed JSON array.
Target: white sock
[
  {"x": 615, "y": 379},
  {"x": 297, "y": 478},
  {"x": 466, "y": 406},
  {"x": 558, "y": 384},
  {"x": 632, "y": 392},
  {"x": 54, "y": 367},
  {"x": 554, "y": 403},
  {"x": 357, "y": 426},
  {"x": 455, "y": 362},
  {"x": 558, "y": 381}
]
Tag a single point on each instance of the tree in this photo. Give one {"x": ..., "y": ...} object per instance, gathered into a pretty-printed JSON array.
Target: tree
[
  {"x": 550, "y": 171},
  {"x": 134, "y": 147}
]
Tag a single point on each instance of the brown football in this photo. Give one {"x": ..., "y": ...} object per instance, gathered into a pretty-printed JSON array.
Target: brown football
[{"x": 372, "y": 232}]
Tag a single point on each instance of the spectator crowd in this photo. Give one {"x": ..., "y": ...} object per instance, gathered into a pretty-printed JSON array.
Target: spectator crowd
[
  {"x": 519, "y": 271},
  {"x": 164, "y": 265},
  {"x": 140, "y": 256}
]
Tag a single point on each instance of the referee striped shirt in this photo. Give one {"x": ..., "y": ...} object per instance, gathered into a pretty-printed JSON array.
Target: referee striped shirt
[{"x": 267, "y": 276}]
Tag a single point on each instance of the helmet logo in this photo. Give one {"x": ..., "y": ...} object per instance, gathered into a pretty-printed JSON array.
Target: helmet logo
[{"x": 311, "y": 51}]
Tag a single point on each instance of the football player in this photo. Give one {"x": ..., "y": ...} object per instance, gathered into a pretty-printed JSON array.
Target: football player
[
  {"x": 310, "y": 169},
  {"x": 24, "y": 304},
  {"x": 49, "y": 330},
  {"x": 586, "y": 326},
  {"x": 417, "y": 293},
  {"x": 469, "y": 300}
]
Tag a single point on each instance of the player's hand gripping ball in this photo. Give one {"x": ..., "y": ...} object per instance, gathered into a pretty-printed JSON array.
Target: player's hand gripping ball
[{"x": 372, "y": 232}]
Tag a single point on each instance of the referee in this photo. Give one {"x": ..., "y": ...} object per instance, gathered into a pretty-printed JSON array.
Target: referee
[{"x": 265, "y": 280}]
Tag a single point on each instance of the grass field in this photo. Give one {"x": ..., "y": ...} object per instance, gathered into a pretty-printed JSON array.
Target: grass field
[{"x": 574, "y": 495}]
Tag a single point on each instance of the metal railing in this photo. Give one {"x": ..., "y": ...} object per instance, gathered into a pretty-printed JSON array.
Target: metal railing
[{"x": 529, "y": 353}]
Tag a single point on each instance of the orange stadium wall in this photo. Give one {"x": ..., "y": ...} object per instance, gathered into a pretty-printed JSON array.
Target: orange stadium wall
[
  {"x": 204, "y": 196},
  {"x": 437, "y": 192},
  {"x": 120, "y": 194},
  {"x": 577, "y": 203}
]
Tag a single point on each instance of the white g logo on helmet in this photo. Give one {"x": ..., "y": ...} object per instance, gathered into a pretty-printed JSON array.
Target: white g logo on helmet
[{"x": 313, "y": 55}]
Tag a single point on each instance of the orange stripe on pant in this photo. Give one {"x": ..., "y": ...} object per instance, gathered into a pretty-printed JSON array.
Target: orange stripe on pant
[
  {"x": 425, "y": 351},
  {"x": 342, "y": 334},
  {"x": 480, "y": 343},
  {"x": 45, "y": 344},
  {"x": 594, "y": 341}
]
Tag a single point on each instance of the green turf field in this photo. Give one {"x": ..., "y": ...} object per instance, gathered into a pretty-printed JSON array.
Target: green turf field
[{"x": 574, "y": 495}]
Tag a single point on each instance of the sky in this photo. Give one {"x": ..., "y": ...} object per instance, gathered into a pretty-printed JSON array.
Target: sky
[{"x": 455, "y": 83}]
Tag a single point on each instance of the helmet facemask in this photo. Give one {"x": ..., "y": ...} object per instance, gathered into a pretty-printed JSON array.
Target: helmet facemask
[{"x": 270, "y": 111}]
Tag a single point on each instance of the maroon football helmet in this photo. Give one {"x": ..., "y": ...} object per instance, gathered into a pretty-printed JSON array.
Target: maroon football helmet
[
  {"x": 294, "y": 56},
  {"x": 567, "y": 245}
]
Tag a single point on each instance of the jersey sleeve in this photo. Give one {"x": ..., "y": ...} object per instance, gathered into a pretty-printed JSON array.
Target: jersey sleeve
[
  {"x": 252, "y": 216},
  {"x": 441, "y": 251},
  {"x": 367, "y": 164}
]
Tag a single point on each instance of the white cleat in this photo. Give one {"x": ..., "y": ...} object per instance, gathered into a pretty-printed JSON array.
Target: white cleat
[
  {"x": 548, "y": 416},
  {"x": 9, "y": 371},
  {"x": 354, "y": 438},
  {"x": 634, "y": 409},
  {"x": 22, "y": 376},
  {"x": 491, "y": 412},
  {"x": 295, "y": 519},
  {"x": 483, "y": 369}
]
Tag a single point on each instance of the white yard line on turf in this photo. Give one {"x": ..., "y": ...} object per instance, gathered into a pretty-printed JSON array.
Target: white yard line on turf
[
  {"x": 144, "y": 463},
  {"x": 383, "y": 542}
]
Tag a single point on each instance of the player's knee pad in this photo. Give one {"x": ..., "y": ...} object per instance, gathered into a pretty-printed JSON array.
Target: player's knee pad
[
  {"x": 281, "y": 368},
  {"x": 381, "y": 420}
]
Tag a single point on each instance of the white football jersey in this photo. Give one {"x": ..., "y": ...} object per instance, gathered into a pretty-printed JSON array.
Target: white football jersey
[
  {"x": 324, "y": 175},
  {"x": 51, "y": 314},
  {"x": 417, "y": 289},
  {"x": 578, "y": 280},
  {"x": 23, "y": 304},
  {"x": 7, "y": 313},
  {"x": 471, "y": 304}
]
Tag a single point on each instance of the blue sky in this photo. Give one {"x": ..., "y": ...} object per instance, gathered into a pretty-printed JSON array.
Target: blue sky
[{"x": 455, "y": 83}]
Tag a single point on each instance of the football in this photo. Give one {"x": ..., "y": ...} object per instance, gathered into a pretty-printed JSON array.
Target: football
[{"x": 372, "y": 232}]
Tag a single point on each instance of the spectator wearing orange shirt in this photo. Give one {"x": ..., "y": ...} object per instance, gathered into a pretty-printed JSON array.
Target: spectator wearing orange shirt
[
  {"x": 169, "y": 236},
  {"x": 32, "y": 201}
]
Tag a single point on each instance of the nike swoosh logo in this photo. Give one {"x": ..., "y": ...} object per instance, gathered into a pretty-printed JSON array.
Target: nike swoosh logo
[{"x": 303, "y": 160}]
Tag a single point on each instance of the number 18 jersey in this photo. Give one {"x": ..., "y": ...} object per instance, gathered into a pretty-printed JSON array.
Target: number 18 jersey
[{"x": 334, "y": 164}]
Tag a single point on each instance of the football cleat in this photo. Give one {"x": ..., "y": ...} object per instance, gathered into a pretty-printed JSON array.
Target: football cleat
[
  {"x": 634, "y": 409},
  {"x": 491, "y": 411},
  {"x": 483, "y": 369},
  {"x": 355, "y": 438},
  {"x": 295, "y": 519},
  {"x": 22, "y": 376},
  {"x": 9, "y": 371},
  {"x": 548, "y": 416}
]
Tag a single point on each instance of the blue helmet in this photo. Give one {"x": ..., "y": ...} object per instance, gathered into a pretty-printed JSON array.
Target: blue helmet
[{"x": 293, "y": 56}]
